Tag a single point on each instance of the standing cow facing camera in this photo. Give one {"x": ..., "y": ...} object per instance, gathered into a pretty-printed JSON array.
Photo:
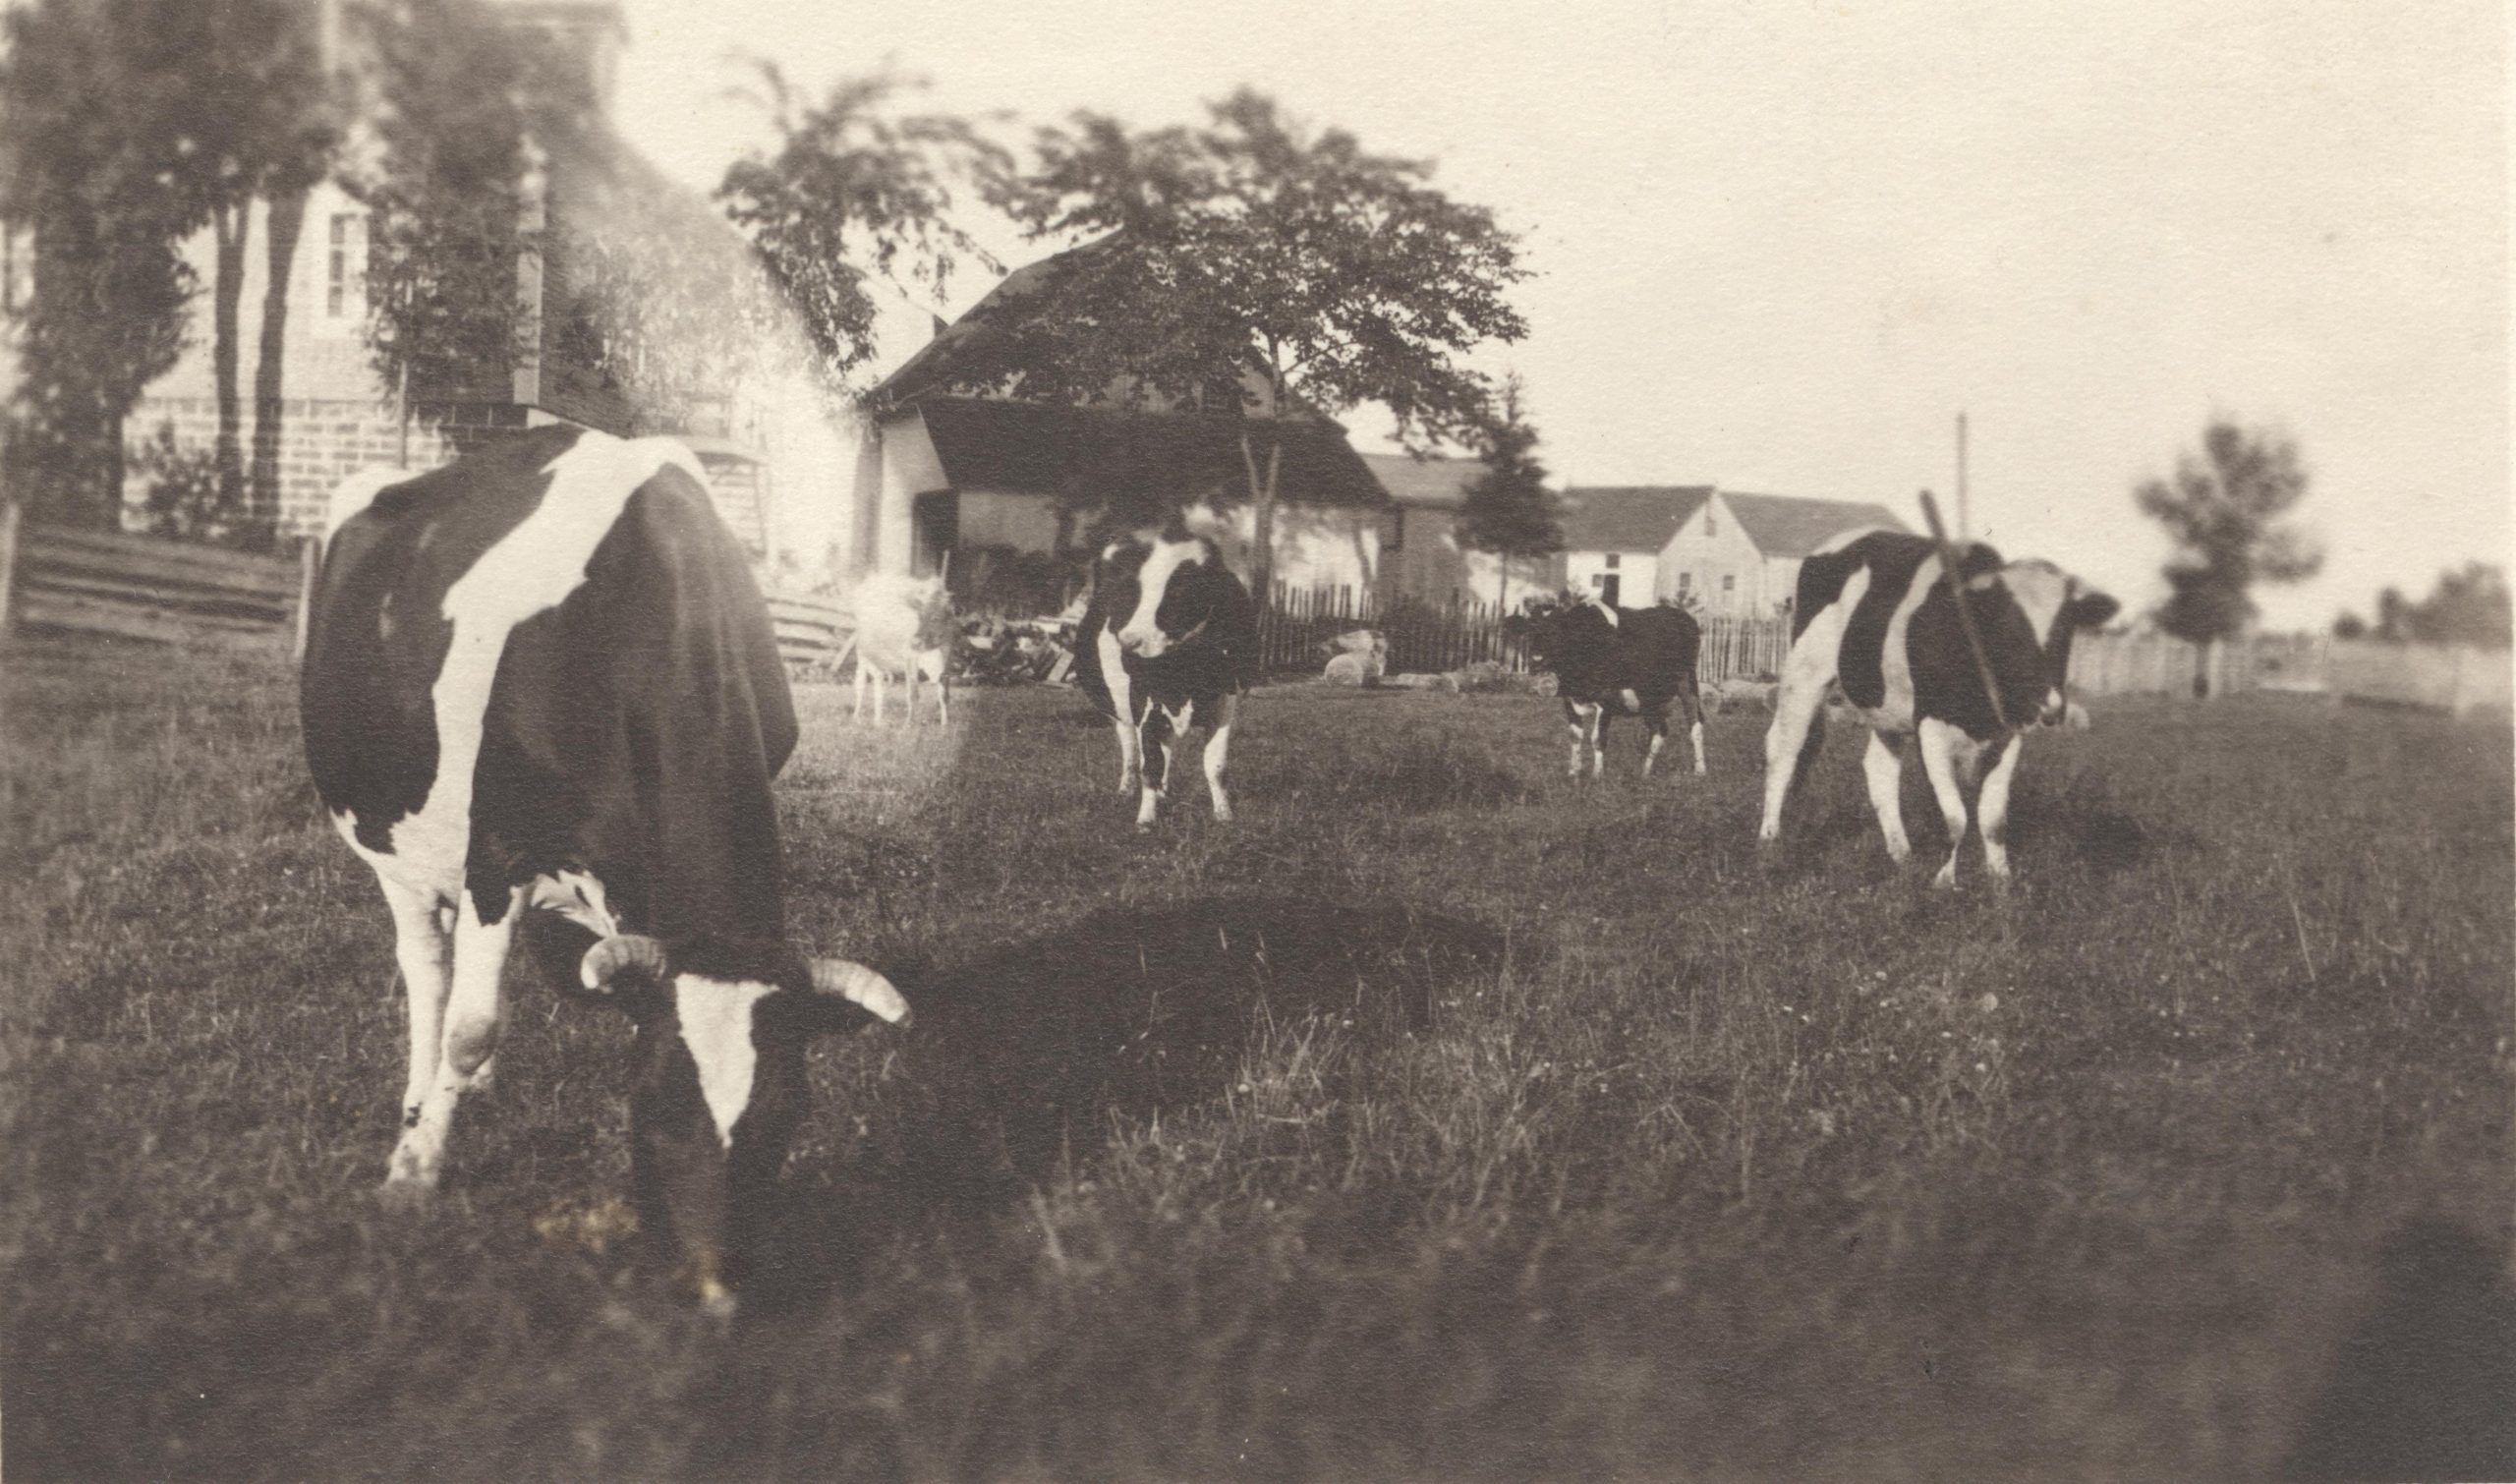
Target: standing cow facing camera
[
  {"x": 1611, "y": 661},
  {"x": 1874, "y": 615},
  {"x": 1169, "y": 642},
  {"x": 540, "y": 690}
]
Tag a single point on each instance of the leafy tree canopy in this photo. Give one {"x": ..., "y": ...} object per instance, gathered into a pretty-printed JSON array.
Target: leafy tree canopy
[
  {"x": 103, "y": 135},
  {"x": 2467, "y": 606},
  {"x": 2224, "y": 508},
  {"x": 1255, "y": 267},
  {"x": 854, "y": 191}
]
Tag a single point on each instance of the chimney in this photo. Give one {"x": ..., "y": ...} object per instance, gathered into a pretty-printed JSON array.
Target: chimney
[{"x": 592, "y": 31}]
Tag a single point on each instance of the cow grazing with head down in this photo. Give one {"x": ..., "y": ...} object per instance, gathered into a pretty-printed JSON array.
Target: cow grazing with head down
[
  {"x": 1611, "y": 661},
  {"x": 1875, "y": 615},
  {"x": 540, "y": 690},
  {"x": 1169, "y": 642}
]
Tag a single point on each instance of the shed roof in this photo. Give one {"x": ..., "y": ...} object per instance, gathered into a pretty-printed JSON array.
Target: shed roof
[
  {"x": 1438, "y": 482},
  {"x": 1628, "y": 517},
  {"x": 996, "y": 443},
  {"x": 1783, "y": 525}
]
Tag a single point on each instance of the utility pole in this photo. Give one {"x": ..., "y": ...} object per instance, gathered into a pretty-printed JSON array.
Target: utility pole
[{"x": 1963, "y": 529}]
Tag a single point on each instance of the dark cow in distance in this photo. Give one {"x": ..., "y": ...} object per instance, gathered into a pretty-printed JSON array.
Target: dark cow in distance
[
  {"x": 540, "y": 689},
  {"x": 1611, "y": 661},
  {"x": 1873, "y": 615},
  {"x": 1169, "y": 642}
]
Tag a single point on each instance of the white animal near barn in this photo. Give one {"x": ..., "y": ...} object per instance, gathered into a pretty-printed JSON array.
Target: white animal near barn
[{"x": 904, "y": 627}]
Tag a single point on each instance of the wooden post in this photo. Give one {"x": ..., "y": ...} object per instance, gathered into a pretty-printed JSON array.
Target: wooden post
[
  {"x": 310, "y": 564},
  {"x": 8, "y": 562}
]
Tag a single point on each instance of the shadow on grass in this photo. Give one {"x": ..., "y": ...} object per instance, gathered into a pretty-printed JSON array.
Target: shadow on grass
[
  {"x": 1023, "y": 1054},
  {"x": 2420, "y": 1388}
]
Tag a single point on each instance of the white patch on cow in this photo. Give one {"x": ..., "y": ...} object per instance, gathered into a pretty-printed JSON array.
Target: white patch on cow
[
  {"x": 354, "y": 493},
  {"x": 716, "y": 1025},
  {"x": 1141, "y": 633},
  {"x": 1843, "y": 539},
  {"x": 1631, "y": 701},
  {"x": 531, "y": 570},
  {"x": 575, "y": 895},
  {"x": 2041, "y": 591},
  {"x": 1895, "y": 710},
  {"x": 1807, "y": 673},
  {"x": 1606, "y": 608}
]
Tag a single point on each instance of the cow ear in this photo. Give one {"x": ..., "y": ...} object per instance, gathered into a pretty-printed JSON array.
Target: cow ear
[
  {"x": 2092, "y": 610},
  {"x": 843, "y": 980}
]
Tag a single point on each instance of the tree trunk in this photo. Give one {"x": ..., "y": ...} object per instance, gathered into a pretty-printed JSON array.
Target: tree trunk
[
  {"x": 287, "y": 222},
  {"x": 1262, "y": 518},
  {"x": 229, "y": 223}
]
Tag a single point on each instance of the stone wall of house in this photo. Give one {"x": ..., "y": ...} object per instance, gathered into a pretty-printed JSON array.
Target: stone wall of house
[{"x": 322, "y": 443}]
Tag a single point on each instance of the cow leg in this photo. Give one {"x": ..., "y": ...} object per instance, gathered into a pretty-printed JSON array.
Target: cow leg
[
  {"x": 1884, "y": 766},
  {"x": 1598, "y": 717},
  {"x": 1693, "y": 699},
  {"x": 1573, "y": 724},
  {"x": 1656, "y": 721},
  {"x": 1154, "y": 744},
  {"x": 1218, "y": 753},
  {"x": 1799, "y": 713},
  {"x": 1947, "y": 757},
  {"x": 857, "y": 714},
  {"x": 424, "y": 951},
  {"x": 1128, "y": 756},
  {"x": 942, "y": 694},
  {"x": 473, "y": 1016},
  {"x": 1991, "y": 810}
]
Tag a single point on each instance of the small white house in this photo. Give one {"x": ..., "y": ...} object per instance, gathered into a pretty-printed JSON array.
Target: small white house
[{"x": 1720, "y": 551}]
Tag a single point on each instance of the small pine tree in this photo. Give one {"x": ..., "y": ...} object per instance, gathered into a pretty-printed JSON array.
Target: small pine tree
[{"x": 1508, "y": 510}]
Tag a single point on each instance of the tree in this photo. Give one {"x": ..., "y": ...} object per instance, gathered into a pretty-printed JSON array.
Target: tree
[
  {"x": 854, "y": 191},
  {"x": 2224, "y": 509},
  {"x": 1508, "y": 509},
  {"x": 262, "y": 130},
  {"x": 1255, "y": 268},
  {"x": 468, "y": 111},
  {"x": 104, "y": 191},
  {"x": 2468, "y": 607}
]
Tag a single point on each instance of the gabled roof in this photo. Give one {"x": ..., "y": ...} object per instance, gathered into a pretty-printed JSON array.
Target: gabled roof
[
  {"x": 1783, "y": 525},
  {"x": 956, "y": 344},
  {"x": 1629, "y": 517},
  {"x": 1050, "y": 448},
  {"x": 1437, "y": 481}
]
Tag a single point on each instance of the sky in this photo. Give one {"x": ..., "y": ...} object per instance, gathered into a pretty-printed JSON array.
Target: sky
[{"x": 1780, "y": 245}]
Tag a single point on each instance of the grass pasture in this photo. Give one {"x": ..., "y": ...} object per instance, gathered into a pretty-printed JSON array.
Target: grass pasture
[{"x": 1441, "y": 1120}]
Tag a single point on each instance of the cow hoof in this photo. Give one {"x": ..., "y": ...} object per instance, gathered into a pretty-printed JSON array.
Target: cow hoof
[{"x": 1946, "y": 879}]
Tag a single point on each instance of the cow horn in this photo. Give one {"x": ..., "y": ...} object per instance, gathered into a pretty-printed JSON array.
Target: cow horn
[
  {"x": 860, "y": 985},
  {"x": 627, "y": 951}
]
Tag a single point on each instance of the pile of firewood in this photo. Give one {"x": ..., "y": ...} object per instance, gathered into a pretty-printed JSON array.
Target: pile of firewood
[{"x": 997, "y": 651}]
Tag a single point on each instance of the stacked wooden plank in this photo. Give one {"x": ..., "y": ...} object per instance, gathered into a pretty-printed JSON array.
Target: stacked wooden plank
[
  {"x": 148, "y": 588},
  {"x": 812, "y": 632}
]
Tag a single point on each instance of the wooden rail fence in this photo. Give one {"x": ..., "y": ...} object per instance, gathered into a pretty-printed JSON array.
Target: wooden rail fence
[{"x": 148, "y": 588}]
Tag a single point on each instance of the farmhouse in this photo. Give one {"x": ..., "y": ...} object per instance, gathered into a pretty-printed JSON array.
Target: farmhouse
[
  {"x": 320, "y": 408},
  {"x": 1421, "y": 558},
  {"x": 995, "y": 476},
  {"x": 1724, "y": 552}
]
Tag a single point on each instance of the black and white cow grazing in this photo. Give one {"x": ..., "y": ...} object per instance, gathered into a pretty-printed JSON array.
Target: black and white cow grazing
[
  {"x": 1873, "y": 615},
  {"x": 542, "y": 688},
  {"x": 1620, "y": 662},
  {"x": 1170, "y": 641}
]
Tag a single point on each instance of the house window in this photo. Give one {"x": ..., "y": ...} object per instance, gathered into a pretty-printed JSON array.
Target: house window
[
  {"x": 1598, "y": 579},
  {"x": 1612, "y": 560},
  {"x": 1730, "y": 583},
  {"x": 348, "y": 248},
  {"x": 1398, "y": 530},
  {"x": 1685, "y": 581}
]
